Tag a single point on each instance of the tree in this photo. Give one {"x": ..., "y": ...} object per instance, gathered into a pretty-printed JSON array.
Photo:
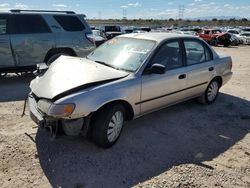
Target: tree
[
  {"x": 244, "y": 19},
  {"x": 214, "y": 20},
  {"x": 171, "y": 19}
]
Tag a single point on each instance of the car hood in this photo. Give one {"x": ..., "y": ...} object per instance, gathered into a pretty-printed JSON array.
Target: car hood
[{"x": 68, "y": 73}]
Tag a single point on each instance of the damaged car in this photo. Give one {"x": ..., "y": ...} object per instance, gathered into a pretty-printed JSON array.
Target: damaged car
[
  {"x": 123, "y": 79},
  {"x": 215, "y": 37}
]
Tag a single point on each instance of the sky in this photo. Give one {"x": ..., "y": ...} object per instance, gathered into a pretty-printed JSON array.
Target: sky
[{"x": 134, "y": 9}]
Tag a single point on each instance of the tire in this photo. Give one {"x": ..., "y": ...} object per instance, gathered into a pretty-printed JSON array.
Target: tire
[
  {"x": 211, "y": 92},
  {"x": 54, "y": 57},
  {"x": 2, "y": 75},
  {"x": 107, "y": 125},
  {"x": 214, "y": 42}
]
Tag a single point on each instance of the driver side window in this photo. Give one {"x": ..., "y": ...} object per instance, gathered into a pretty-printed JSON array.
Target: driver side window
[{"x": 168, "y": 55}]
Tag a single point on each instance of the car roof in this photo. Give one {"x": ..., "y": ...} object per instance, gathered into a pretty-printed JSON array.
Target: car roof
[{"x": 156, "y": 36}]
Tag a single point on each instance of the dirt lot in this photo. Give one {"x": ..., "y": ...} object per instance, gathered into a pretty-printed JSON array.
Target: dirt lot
[{"x": 187, "y": 145}]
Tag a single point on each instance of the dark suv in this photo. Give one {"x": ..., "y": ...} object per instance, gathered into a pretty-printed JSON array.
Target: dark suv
[{"x": 29, "y": 37}]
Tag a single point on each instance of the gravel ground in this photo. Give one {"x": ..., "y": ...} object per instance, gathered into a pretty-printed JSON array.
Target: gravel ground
[{"x": 186, "y": 145}]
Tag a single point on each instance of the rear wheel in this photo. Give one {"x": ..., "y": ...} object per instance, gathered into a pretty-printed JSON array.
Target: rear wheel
[
  {"x": 211, "y": 93},
  {"x": 2, "y": 75},
  {"x": 107, "y": 125}
]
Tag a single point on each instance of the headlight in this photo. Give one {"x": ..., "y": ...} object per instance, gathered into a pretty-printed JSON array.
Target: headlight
[
  {"x": 44, "y": 105},
  {"x": 61, "y": 110}
]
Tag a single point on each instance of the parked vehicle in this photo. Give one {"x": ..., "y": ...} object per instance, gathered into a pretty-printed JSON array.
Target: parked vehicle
[
  {"x": 125, "y": 78},
  {"x": 112, "y": 31},
  {"x": 30, "y": 37},
  {"x": 235, "y": 41},
  {"x": 245, "y": 37},
  {"x": 215, "y": 37},
  {"x": 99, "y": 37}
]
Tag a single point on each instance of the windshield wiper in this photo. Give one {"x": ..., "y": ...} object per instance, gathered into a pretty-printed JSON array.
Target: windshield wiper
[
  {"x": 114, "y": 67},
  {"x": 106, "y": 64}
]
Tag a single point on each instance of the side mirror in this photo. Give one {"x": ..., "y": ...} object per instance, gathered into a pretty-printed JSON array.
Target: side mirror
[{"x": 157, "y": 69}]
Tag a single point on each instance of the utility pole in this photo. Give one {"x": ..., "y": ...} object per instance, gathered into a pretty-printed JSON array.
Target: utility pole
[
  {"x": 124, "y": 13},
  {"x": 181, "y": 11},
  {"x": 99, "y": 15},
  {"x": 181, "y": 14}
]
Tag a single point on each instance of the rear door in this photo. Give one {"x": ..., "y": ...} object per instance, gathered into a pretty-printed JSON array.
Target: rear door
[
  {"x": 31, "y": 39},
  {"x": 200, "y": 67},
  {"x": 73, "y": 32},
  {"x": 6, "y": 58}
]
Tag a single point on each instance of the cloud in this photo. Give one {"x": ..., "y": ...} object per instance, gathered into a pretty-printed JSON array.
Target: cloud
[
  {"x": 197, "y": 0},
  {"x": 4, "y": 5},
  {"x": 21, "y": 6},
  {"x": 134, "y": 4},
  {"x": 60, "y": 5},
  {"x": 195, "y": 10},
  {"x": 137, "y": 4},
  {"x": 124, "y": 6}
]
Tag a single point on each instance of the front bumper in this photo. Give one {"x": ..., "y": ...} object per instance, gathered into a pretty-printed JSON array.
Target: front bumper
[{"x": 35, "y": 114}]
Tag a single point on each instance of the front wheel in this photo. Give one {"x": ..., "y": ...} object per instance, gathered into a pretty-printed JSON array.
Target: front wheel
[
  {"x": 211, "y": 93},
  {"x": 107, "y": 125}
]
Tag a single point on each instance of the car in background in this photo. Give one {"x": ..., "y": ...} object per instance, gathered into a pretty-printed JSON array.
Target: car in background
[
  {"x": 125, "y": 78},
  {"x": 215, "y": 37},
  {"x": 235, "y": 32},
  {"x": 245, "y": 36},
  {"x": 235, "y": 41},
  {"x": 111, "y": 31},
  {"x": 30, "y": 37},
  {"x": 99, "y": 37}
]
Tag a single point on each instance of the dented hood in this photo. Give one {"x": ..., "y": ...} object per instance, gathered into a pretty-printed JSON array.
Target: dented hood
[{"x": 67, "y": 73}]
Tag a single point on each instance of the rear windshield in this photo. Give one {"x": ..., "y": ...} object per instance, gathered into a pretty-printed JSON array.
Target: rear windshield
[{"x": 70, "y": 23}]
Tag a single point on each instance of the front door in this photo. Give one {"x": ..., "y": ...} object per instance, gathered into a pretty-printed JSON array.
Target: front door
[{"x": 159, "y": 90}]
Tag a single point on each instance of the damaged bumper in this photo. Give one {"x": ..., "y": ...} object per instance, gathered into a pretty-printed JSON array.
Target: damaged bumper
[{"x": 35, "y": 114}]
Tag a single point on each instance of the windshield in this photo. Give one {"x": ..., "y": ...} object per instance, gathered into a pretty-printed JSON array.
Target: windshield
[
  {"x": 246, "y": 34},
  {"x": 233, "y": 31},
  {"x": 112, "y": 28},
  {"x": 122, "y": 53},
  {"x": 96, "y": 32}
]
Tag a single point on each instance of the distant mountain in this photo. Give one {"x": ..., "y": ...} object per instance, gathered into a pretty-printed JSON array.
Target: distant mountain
[{"x": 217, "y": 17}]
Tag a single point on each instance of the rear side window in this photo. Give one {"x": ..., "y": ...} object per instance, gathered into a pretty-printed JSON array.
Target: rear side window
[
  {"x": 28, "y": 24},
  {"x": 70, "y": 23},
  {"x": 196, "y": 52},
  {"x": 3, "y": 24}
]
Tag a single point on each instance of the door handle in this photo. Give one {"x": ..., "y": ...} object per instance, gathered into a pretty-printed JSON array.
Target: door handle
[
  {"x": 211, "y": 69},
  {"x": 182, "y": 76}
]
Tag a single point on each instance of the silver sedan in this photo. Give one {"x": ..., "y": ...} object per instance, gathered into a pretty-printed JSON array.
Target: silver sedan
[{"x": 126, "y": 77}]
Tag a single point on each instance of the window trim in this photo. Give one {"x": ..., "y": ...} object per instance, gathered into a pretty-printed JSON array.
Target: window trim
[
  {"x": 7, "y": 24},
  {"x": 83, "y": 24},
  {"x": 13, "y": 20},
  {"x": 157, "y": 50},
  {"x": 205, "y": 46}
]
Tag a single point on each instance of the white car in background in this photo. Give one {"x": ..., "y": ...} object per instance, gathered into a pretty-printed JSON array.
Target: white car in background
[{"x": 245, "y": 37}]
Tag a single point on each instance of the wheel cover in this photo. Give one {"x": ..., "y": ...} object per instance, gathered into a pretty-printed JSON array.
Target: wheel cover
[
  {"x": 212, "y": 91},
  {"x": 115, "y": 126}
]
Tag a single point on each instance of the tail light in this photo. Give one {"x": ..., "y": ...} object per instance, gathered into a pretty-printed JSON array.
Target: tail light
[{"x": 90, "y": 37}]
